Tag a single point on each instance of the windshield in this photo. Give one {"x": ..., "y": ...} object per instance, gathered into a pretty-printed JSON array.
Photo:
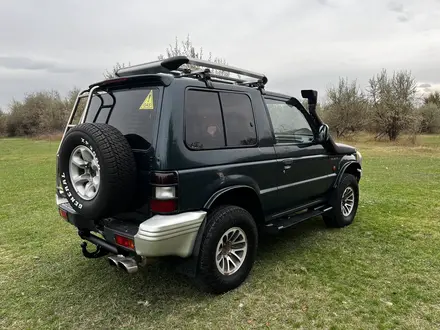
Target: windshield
[{"x": 131, "y": 111}]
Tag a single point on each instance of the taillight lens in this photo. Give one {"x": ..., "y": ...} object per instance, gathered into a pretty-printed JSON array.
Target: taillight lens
[
  {"x": 164, "y": 192},
  {"x": 124, "y": 241},
  {"x": 62, "y": 213},
  {"x": 160, "y": 206}
]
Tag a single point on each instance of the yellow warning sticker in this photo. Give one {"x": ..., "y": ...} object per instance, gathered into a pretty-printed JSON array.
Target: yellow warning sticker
[{"x": 148, "y": 103}]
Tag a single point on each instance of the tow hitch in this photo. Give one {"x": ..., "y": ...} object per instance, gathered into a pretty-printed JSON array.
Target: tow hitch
[
  {"x": 98, "y": 253},
  {"x": 102, "y": 247}
]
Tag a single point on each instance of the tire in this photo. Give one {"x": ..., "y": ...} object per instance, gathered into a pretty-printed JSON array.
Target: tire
[
  {"x": 226, "y": 218},
  {"x": 337, "y": 217},
  {"x": 112, "y": 161}
]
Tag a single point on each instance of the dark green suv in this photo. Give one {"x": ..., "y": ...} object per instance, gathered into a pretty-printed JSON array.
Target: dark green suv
[{"x": 178, "y": 158}]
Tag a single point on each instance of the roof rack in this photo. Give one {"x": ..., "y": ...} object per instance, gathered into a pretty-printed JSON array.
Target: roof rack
[{"x": 172, "y": 66}]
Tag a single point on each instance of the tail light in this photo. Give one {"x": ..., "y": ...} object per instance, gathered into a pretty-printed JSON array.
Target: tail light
[
  {"x": 124, "y": 241},
  {"x": 164, "y": 194},
  {"x": 62, "y": 213}
]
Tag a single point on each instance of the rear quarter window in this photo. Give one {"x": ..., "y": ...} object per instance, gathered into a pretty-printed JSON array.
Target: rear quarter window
[
  {"x": 239, "y": 119},
  {"x": 218, "y": 120},
  {"x": 203, "y": 120}
]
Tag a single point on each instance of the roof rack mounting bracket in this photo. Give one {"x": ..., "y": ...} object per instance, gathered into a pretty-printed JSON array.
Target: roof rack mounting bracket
[
  {"x": 202, "y": 74},
  {"x": 206, "y": 77}
]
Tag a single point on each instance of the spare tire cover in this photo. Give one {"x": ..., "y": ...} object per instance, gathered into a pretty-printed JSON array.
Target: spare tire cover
[{"x": 97, "y": 169}]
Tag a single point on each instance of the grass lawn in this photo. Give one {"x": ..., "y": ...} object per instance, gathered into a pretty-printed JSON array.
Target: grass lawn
[{"x": 381, "y": 272}]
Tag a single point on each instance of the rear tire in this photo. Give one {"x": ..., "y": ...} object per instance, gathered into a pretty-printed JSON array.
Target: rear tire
[
  {"x": 231, "y": 238},
  {"x": 344, "y": 200}
]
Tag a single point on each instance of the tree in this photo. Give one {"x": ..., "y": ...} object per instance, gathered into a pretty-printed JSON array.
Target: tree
[
  {"x": 393, "y": 103},
  {"x": 430, "y": 113},
  {"x": 3, "y": 118},
  {"x": 346, "y": 108},
  {"x": 39, "y": 113},
  {"x": 186, "y": 48},
  {"x": 433, "y": 98},
  {"x": 112, "y": 74}
]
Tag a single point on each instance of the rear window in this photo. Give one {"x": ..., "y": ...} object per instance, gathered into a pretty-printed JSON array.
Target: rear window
[{"x": 131, "y": 111}]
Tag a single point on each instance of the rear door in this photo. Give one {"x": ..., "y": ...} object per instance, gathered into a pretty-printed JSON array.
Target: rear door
[
  {"x": 304, "y": 170},
  {"x": 134, "y": 112}
]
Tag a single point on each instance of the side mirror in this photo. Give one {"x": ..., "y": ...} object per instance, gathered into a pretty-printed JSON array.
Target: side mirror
[{"x": 323, "y": 134}]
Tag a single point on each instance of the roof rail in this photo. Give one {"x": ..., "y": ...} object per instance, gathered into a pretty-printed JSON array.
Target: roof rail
[{"x": 172, "y": 64}]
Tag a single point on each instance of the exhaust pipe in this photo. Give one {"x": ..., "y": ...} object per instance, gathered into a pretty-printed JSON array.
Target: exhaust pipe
[
  {"x": 128, "y": 264},
  {"x": 113, "y": 260}
]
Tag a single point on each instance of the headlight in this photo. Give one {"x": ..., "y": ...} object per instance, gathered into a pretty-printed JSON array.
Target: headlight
[{"x": 359, "y": 157}]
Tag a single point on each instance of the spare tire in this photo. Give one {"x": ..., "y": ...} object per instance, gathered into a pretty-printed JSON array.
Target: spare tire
[{"x": 97, "y": 169}]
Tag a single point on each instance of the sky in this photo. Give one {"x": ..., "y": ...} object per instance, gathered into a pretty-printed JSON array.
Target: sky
[{"x": 52, "y": 44}]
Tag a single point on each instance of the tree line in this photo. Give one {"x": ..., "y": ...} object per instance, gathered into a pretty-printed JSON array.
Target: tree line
[{"x": 389, "y": 106}]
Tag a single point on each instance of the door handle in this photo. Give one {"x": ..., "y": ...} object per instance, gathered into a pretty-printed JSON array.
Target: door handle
[{"x": 287, "y": 163}]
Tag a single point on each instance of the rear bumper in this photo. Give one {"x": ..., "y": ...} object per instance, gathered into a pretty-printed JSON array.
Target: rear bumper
[
  {"x": 166, "y": 235},
  {"x": 158, "y": 236}
]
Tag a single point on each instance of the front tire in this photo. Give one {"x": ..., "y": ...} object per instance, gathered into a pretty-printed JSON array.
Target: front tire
[
  {"x": 228, "y": 249},
  {"x": 344, "y": 200}
]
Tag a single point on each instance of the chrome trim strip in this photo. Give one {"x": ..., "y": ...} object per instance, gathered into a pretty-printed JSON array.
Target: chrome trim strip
[
  {"x": 305, "y": 157},
  {"x": 207, "y": 168},
  {"x": 268, "y": 190},
  {"x": 265, "y": 191}
]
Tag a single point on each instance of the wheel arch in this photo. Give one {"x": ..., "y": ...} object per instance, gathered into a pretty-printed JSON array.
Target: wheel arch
[
  {"x": 226, "y": 196},
  {"x": 243, "y": 196},
  {"x": 351, "y": 167}
]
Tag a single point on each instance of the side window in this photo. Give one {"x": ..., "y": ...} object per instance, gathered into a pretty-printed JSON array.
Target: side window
[
  {"x": 289, "y": 124},
  {"x": 203, "y": 120},
  {"x": 239, "y": 119}
]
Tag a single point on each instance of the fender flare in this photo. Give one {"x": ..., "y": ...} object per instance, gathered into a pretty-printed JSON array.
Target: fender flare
[
  {"x": 224, "y": 190},
  {"x": 344, "y": 169}
]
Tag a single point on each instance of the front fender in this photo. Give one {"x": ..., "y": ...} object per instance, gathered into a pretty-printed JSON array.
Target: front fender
[{"x": 346, "y": 162}]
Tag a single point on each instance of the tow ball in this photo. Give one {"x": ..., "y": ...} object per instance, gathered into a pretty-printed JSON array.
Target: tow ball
[{"x": 98, "y": 253}]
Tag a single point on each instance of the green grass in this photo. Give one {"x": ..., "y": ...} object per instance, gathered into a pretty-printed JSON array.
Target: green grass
[{"x": 381, "y": 272}]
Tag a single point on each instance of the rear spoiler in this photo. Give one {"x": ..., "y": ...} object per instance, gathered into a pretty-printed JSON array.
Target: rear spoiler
[{"x": 161, "y": 79}]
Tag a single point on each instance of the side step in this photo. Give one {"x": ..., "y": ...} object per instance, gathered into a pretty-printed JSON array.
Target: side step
[{"x": 286, "y": 222}]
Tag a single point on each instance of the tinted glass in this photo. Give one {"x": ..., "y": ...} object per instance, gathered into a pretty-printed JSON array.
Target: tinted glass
[
  {"x": 289, "y": 124},
  {"x": 134, "y": 112},
  {"x": 239, "y": 119},
  {"x": 203, "y": 120}
]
